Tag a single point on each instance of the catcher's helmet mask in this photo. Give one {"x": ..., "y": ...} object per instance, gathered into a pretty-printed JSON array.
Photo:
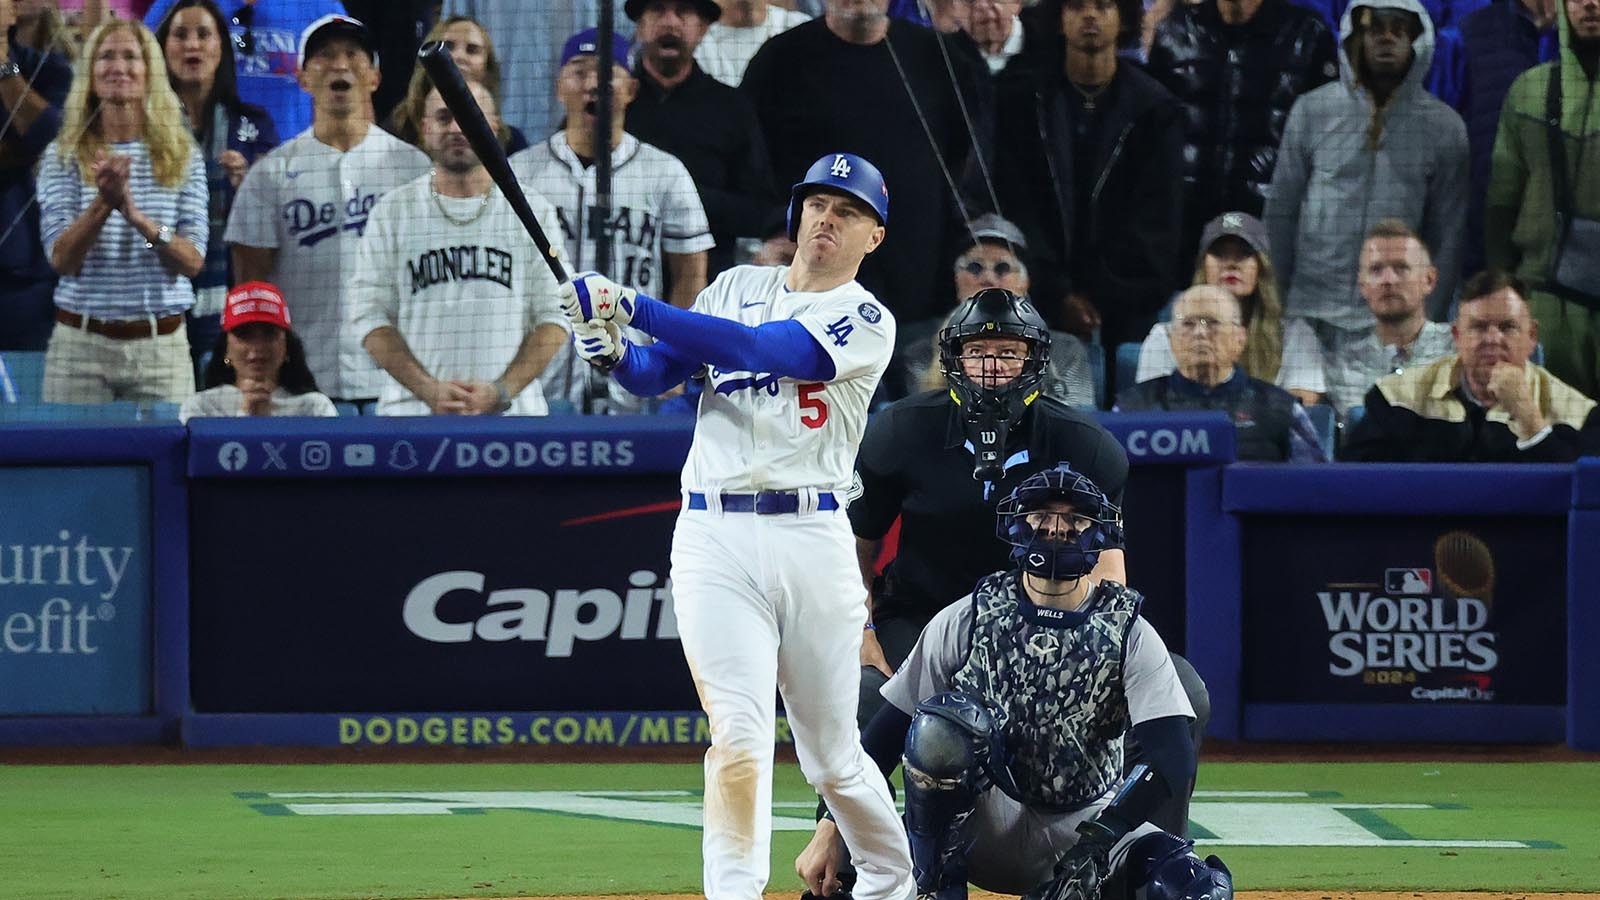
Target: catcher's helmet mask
[
  {"x": 990, "y": 411},
  {"x": 1056, "y": 554}
]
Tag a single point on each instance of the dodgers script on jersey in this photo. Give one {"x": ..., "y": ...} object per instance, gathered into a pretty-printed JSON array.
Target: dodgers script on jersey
[
  {"x": 759, "y": 431},
  {"x": 462, "y": 296},
  {"x": 310, "y": 202}
]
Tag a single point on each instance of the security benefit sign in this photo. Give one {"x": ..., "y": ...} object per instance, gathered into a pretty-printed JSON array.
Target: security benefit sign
[
  {"x": 469, "y": 594},
  {"x": 1414, "y": 610},
  {"x": 75, "y": 605}
]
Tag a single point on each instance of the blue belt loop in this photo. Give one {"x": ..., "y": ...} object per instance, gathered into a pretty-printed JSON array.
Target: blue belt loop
[{"x": 765, "y": 503}]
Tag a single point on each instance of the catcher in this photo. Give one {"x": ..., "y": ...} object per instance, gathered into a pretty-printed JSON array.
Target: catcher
[{"x": 1010, "y": 712}]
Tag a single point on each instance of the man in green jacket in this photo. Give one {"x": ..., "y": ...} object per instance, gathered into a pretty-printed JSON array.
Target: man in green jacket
[{"x": 1522, "y": 232}]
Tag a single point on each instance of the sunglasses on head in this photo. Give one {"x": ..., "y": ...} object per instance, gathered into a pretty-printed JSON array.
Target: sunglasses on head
[{"x": 245, "y": 41}]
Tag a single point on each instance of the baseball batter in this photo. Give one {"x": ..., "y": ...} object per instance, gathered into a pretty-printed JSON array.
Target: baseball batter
[
  {"x": 763, "y": 572},
  {"x": 450, "y": 294},
  {"x": 1010, "y": 712}
]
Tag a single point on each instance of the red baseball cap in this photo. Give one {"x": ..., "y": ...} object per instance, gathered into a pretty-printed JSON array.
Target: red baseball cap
[{"x": 255, "y": 301}]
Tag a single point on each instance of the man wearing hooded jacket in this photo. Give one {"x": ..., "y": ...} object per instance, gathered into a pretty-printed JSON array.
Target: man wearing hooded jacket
[
  {"x": 1372, "y": 145},
  {"x": 1521, "y": 233}
]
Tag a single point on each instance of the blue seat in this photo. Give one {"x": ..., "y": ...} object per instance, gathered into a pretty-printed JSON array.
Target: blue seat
[
  {"x": 1326, "y": 424},
  {"x": 1097, "y": 371},
  {"x": 159, "y": 412},
  {"x": 115, "y": 411},
  {"x": 1354, "y": 415},
  {"x": 26, "y": 368},
  {"x": 1127, "y": 365},
  {"x": 346, "y": 408}
]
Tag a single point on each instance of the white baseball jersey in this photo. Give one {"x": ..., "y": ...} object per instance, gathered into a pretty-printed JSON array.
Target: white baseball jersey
[
  {"x": 655, "y": 209},
  {"x": 462, "y": 296},
  {"x": 310, "y": 202},
  {"x": 757, "y": 431}
]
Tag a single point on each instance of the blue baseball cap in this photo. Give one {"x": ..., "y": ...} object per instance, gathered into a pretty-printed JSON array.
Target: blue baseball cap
[{"x": 587, "y": 42}]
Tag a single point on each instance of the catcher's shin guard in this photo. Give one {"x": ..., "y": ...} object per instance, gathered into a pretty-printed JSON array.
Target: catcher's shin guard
[{"x": 946, "y": 751}]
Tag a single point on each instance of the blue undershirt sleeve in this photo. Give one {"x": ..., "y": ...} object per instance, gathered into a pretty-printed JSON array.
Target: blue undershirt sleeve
[
  {"x": 650, "y": 370},
  {"x": 784, "y": 348}
]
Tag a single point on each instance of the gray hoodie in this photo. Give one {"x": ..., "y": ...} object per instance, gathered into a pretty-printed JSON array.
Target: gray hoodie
[{"x": 1344, "y": 165}]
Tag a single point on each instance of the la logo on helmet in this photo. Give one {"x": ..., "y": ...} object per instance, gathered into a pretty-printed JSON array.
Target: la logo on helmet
[{"x": 841, "y": 166}]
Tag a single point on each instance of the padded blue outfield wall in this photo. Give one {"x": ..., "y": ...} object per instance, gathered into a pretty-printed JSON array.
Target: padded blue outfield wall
[{"x": 486, "y": 582}]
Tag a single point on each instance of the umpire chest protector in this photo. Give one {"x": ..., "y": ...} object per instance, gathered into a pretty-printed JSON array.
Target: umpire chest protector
[{"x": 1053, "y": 681}]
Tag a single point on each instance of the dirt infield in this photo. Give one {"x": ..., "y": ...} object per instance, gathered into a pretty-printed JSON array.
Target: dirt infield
[{"x": 1242, "y": 895}]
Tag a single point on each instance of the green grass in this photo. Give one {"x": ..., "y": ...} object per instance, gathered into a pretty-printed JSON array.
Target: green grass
[{"x": 176, "y": 832}]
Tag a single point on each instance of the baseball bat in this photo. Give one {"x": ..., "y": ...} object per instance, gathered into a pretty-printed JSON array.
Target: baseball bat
[{"x": 435, "y": 58}]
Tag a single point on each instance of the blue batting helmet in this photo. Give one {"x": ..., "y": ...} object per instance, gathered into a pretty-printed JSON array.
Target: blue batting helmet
[{"x": 845, "y": 172}]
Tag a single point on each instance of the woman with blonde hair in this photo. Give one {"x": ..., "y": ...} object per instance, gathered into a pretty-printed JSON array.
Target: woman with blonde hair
[
  {"x": 473, "y": 52},
  {"x": 123, "y": 217},
  {"x": 1284, "y": 352}
]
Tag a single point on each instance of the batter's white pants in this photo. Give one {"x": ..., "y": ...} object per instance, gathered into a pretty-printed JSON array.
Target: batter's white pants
[{"x": 768, "y": 602}]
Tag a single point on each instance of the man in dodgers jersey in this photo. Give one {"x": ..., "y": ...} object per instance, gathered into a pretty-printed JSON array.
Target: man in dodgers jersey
[
  {"x": 450, "y": 294},
  {"x": 659, "y": 233},
  {"x": 763, "y": 571},
  {"x": 301, "y": 210}
]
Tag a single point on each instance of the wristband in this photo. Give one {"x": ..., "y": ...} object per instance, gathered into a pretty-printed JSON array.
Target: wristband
[
  {"x": 502, "y": 396},
  {"x": 870, "y": 627}
]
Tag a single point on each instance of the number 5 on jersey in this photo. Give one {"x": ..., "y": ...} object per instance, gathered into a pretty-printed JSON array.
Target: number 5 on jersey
[{"x": 813, "y": 408}]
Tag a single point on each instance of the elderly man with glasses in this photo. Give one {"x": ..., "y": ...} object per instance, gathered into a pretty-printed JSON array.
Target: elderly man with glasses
[{"x": 1208, "y": 338}]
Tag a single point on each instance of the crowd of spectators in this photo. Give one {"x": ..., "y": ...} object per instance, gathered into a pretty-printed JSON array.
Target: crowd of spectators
[{"x": 1282, "y": 204}]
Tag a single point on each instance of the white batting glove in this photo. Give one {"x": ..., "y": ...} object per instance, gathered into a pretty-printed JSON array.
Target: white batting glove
[
  {"x": 592, "y": 297},
  {"x": 600, "y": 344}
]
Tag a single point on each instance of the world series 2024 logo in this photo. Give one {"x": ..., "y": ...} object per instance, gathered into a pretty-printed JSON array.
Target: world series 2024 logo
[{"x": 1411, "y": 629}]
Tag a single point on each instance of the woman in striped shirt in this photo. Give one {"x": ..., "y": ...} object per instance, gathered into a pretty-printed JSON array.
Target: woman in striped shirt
[{"x": 123, "y": 214}]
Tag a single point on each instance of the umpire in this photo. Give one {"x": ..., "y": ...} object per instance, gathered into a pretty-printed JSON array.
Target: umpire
[{"x": 942, "y": 460}]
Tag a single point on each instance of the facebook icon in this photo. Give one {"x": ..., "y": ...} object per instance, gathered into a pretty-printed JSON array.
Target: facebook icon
[{"x": 232, "y": 456}]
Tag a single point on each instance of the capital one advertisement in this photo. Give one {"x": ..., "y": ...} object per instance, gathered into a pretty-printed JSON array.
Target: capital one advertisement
[
  {"x": 1419, "y": 610},
  {"x": 389, "y": 595},
  {"x": 75, "y": 604}
]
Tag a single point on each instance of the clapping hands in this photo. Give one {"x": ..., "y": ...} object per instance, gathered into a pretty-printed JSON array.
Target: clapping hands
[{"x": 111, "y": 172}]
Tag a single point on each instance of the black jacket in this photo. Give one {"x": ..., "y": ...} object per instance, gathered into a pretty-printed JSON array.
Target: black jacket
[
  {"x": 1236, "y": 84},
  {"x": 1123, "y": 258},
  {"x": 711, "y": 128}
]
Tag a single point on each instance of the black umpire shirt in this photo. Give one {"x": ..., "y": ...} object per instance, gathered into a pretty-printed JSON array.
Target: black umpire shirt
[
  {"x": 914, "y": 463},
  {"x": 712, "y": 129}
]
